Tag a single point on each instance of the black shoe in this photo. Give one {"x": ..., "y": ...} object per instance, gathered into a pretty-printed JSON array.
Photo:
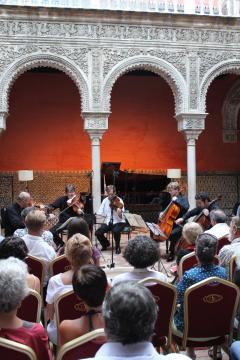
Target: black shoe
[
  {"x": 118, "y": 250},
  {"x": 170, "y": 257}
]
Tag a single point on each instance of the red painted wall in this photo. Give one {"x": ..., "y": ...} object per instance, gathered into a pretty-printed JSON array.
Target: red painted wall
[{"x": 45, "y": 129}]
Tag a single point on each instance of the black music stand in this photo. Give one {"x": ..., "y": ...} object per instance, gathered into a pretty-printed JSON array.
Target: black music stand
[{"x": 111, "y": 168}]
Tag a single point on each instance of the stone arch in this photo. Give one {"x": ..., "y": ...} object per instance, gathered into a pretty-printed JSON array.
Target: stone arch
[
  {"x": 158, "y": 66},
  {"x": 230, "y": 111},
  {"x": 231, "y": 66},
  {"x": 30, "y": 61}
]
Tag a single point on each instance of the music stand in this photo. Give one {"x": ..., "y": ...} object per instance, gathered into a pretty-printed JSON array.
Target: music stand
[{"x": 111, "y": 168}]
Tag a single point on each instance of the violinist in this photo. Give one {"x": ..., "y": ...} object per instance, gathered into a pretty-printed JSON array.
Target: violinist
[
  {"x": 204, "y": 205},
  {"x": 69, "y": 206},
  {"x": 174, "y": 189},
  {"x": 112, "y": 208}
]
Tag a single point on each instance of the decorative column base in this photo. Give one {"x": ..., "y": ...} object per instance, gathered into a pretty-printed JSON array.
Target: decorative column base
[{"x": 95, "y": 124}]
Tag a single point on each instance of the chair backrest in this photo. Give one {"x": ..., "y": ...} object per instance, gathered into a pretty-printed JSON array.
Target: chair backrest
[
  {"x": 81, "y": 348},
  {"x": 165, "y": 296},
  {"x": 59, "y": 265},
  {"x": 12, "y": 350},
  {"x": 232, "y": 267},
  {"x": 115, "y": 271},
  {"x": 189, "y": 261},
  {"x": 209, "y": 309},
  {"x": 68, "y": 307},
  {"x": 30, "y": 309},
  {"x": 36, "y": 267},
  {"x": 222, "y": 242}
]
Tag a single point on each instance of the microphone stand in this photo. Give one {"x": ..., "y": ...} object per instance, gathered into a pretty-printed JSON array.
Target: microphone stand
[{"x": 112, "y": 264}]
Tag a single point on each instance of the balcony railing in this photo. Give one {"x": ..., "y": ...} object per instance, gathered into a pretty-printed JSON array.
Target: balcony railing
[{"x": 226, "y": 8}]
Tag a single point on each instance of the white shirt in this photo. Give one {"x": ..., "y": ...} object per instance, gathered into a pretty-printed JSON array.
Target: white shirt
[
  {"x": 55, "y": 288},
  {"x": 39, "y": 248},
  {"x": 139, "y": 351},
  {"x": 106, "y": 212},
  {"x": 139, "y": 274},
  {"x": 46, "y": 235},
  {"x": 219, "y": 230},
  {"x": 228, "y": 251}
]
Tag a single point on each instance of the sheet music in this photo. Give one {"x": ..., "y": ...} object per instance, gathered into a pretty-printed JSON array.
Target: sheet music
[{"x": 155, "y": 229}]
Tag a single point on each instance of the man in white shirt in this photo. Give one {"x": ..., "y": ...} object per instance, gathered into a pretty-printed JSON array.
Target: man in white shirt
[
  {"x": 219, "y": 227},
  {"x": 228, "y": 251},
  {"x": 111, "y": 209},
  {"x": 35, "y": 221},
  {"x": 130, "y": 312},
  {"x": 141, "y": 253}
]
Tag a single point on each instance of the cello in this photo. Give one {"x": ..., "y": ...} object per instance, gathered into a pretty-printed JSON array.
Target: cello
[{"x": 166, "y": 221}]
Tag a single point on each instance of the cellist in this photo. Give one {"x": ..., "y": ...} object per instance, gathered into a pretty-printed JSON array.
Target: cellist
[
  {"x": 174, "y": 189},
  {"x": 204, "y": 205}
]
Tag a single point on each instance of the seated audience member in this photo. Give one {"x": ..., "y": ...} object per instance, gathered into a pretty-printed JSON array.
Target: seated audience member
[
  {"x": 16, "y": 247},
  {"x": 90, "y": 285},
  {"x": 13, "y": 219},
  {"x": 232, "y": 249},
  {"x": 235, "y": 350},
  {"x": 78, "y": 225},
  {"x": 35, "y": 221},
  {"x": 46, "y": 235},
  {"x": 13, "y": 274},
  {"x": 190, "y": 233},
  {"x": 79, "y": 252},
  {"x": 206, "y": 246},
  {"x": 130, "y": 313},
  {"x": 219, "y": 224},
  {"x": 141, "y": 252}
]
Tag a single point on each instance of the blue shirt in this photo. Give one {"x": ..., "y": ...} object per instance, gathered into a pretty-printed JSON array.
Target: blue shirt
[{"x": 192, "y": 277}]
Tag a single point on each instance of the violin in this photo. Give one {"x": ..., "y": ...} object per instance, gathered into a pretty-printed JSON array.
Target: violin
[
  {"x": 76, "y": 205},
  {"x": 115, "y": 202}
]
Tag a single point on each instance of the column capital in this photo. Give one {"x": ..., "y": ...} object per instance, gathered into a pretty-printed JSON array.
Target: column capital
[
  {"x": 3, "y": 117},
  {"x": 191, "y": 136},
  {"x": 191, "y": 121},
  {"x": 95, "y": 124}
]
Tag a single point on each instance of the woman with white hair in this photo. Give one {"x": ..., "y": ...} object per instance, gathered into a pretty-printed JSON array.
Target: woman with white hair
[{"x": 14, "y": 289}]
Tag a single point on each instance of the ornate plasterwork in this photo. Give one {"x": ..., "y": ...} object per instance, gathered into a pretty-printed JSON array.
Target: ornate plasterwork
[
  {"x": 118, "y": 31},
  {"x": 191, "y": 121},
  {"x": 114, "y": 55},
  {"x": 230, "y": 111},
  {"x": 95, "y": 124},
  {"x": 156, "y": 65},
  {"x": 23, "y": 60},
  {"x": 224, "y": 67}
]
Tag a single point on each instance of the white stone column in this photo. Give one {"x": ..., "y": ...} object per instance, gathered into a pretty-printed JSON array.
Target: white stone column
[
  {"x": 95, "y": 124},
  {"x": 3, "y": 117},
  {"x": 191, "y": 125}
]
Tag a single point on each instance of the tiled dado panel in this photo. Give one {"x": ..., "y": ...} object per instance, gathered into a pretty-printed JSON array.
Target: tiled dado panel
[
  {"x": 44, "y": 188},
  {"x": 226, "y": 185}
]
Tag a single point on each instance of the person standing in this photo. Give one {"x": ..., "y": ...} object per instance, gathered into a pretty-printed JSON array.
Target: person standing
[
  {"x": 13, "y": 219},
  {"x": 111, "y": 209}
]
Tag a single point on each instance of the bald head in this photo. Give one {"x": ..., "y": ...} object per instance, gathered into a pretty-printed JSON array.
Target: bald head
[{"x": 24, "y": 199}]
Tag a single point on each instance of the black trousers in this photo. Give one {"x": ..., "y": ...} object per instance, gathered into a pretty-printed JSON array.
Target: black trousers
[
  {"x": 174, "y": 237},
  {"x": 56, "y": 238},
  {"x": 116, "y": 230}
]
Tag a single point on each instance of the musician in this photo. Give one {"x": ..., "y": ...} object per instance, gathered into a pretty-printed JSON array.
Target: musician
[
  {"x": 174, "y": 189},
  {"x": 63, "y": 203},
  {"x": 12, "y": 218},
  {"x": 204, "y": 205},
  {"x": 113, "y": 219}
]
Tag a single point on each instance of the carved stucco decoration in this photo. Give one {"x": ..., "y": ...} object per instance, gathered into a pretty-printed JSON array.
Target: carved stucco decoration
[
  {"x": 159, "y": 66},
  {"x": 230, "y": 112},
  {"x": 27, "y": 61},
  {"x": 231, "y": 66},
  {"x": 145, "y": 33},
  {"x": 95, "y": 124},
  {"x": 112, "y": 56}
]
